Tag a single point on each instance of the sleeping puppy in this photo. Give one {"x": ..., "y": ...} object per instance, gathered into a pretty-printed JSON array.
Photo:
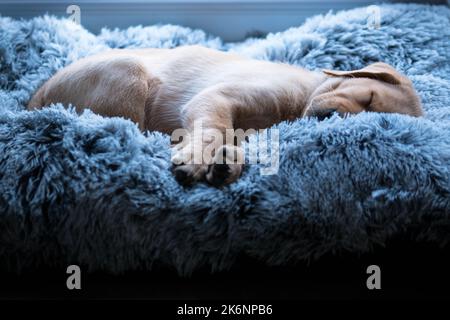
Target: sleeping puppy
[{"x": 168, "y": 89}]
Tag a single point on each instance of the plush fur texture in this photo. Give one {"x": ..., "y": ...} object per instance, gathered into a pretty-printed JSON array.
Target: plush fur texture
[{"x": 97, "y": 192}]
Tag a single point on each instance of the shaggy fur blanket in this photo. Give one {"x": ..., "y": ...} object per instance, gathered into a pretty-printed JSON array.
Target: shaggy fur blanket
[{"x": 93, "y": 191}]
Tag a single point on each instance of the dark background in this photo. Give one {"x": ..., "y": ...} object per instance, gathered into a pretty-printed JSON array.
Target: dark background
[{"x": 408, "y": 271}]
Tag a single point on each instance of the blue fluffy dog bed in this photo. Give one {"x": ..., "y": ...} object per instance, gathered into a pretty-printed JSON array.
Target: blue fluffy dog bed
[{"x": 97, "y": 192}]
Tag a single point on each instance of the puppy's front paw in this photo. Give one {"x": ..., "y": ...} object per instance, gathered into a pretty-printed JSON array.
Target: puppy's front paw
[
  {"x": 187, "y": 167},
  {"x": 188, "y": 174},
  {"x": 227, "y": 166},
  {"x": 221, "y": 174},
  {"x": 182, "y": 154}
]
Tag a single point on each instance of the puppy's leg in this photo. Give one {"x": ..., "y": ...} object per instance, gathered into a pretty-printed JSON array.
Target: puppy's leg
[
  {"x": 128, "y": 90},
  {"x": 206, "y": 155},
  {"x": 112, "y": 87}
]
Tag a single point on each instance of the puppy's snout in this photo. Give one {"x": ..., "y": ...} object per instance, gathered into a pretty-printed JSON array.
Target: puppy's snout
[{"x": 322, "y": 114}]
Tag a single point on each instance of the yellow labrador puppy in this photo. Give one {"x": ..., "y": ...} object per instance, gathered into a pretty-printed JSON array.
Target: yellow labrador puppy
[{"x": 168, "y": 89}]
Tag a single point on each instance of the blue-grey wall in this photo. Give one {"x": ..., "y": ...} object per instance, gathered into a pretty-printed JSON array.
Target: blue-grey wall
[{"x": 230, "y": 19}]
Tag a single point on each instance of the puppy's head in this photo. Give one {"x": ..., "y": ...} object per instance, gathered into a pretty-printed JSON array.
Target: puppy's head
[{"x": 377, "y": 87}]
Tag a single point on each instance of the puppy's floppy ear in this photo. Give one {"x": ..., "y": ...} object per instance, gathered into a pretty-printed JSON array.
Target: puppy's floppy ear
[{"x": 379, "y": 71}]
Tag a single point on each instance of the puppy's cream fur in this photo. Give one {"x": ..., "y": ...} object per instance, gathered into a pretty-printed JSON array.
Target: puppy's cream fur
[{"x": 167, "y": 89}]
